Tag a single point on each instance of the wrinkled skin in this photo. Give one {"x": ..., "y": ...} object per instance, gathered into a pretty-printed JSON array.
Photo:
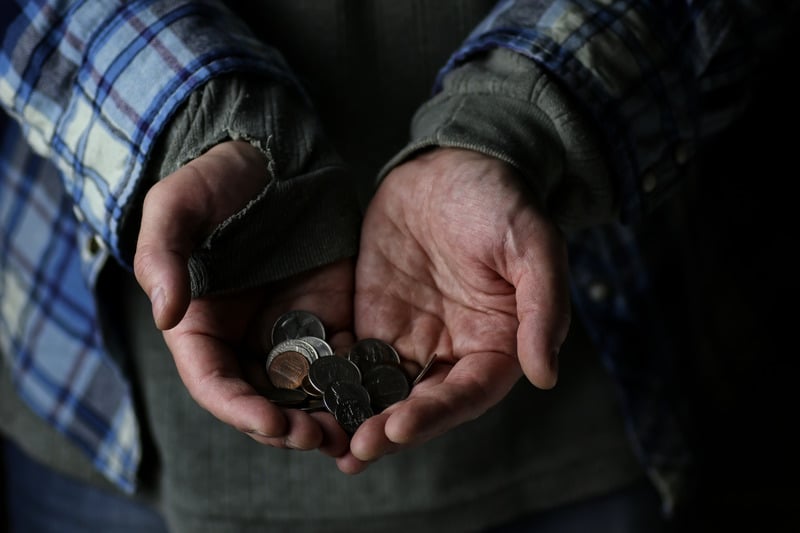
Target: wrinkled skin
[
  {"x": 207, "y": 336},
  {"x": 455, "y": 259}
]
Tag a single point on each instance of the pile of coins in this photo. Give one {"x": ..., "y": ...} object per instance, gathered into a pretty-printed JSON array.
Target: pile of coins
[{"x": 306, "y": 373}]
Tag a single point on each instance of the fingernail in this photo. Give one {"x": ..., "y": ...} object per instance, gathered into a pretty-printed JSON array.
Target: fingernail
[
  {"x": 291, "y": 445},
  {"x": 255, "y": 432},
  {"x": 157, "y": 301}
]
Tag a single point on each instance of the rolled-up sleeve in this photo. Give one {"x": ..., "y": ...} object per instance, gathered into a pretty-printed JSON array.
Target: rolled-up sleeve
[
  {"x": 93, "y": 85},
  {"x": 654, "y": 81}
]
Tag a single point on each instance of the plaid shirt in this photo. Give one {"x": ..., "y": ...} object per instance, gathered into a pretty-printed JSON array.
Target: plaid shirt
[{"x": 91, "y": 84}]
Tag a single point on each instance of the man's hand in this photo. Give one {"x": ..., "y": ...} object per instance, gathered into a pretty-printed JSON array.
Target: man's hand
[
  {"x": 457, "y": 260},
  {"x": 212, "y": 337}
]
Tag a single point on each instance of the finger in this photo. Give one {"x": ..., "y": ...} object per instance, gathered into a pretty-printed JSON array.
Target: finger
[
  {"x": 543, "y": 312},
  {"x": 303, "y": 433},
  {"x": 349, "y": 464},
  {"x": 213, "y": 378},
  {"x": 437, "y": 404},
  {"x": 335, "y": 442},
  {"x": 369, "y": 444},
  {"x": 370, "y": 441},
  {"x": 172, "y": 226},
  {"x": 181, "y": 210}
]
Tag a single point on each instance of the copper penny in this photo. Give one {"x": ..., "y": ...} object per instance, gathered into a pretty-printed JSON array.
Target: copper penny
[{"x": 288, "y": 369}]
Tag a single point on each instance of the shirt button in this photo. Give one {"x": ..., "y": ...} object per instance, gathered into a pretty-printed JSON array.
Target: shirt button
[
  {"x": 649, "y": 182},
  {"x": 681, "y": 154},
  {"x": 598, "y": 291},
  {"x": 94, "y": 245}
]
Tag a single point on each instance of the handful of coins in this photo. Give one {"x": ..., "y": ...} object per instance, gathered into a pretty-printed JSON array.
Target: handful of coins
[{"x": 305, "y": 373}]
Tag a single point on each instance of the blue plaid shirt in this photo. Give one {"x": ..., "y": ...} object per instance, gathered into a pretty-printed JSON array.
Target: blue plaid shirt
[{"x": 89, "y": 85}]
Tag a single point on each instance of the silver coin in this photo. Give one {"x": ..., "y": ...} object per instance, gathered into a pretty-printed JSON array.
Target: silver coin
[
  {"x": 386, "y": 384},
  {"x": 310, "y": 389},
  {"x": 323, "y": 348},
  {"x": 326, "y": 370},
  {"x": 296, "y": 324},
  {"x": 286, "y": 397},
  {"x": 425, "y": 369},
  {"x": 351, "y": 413},
  {"x": 367, "y": 353},
  {"x": 292, "y": 345},
  {"x": 340, "y": 391}
]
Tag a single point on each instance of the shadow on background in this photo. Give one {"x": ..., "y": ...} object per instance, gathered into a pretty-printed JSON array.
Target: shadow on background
[{"x": 747, "y": 215}]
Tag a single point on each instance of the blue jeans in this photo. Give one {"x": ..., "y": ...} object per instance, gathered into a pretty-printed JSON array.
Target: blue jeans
[{"x": 40, "y": 500}]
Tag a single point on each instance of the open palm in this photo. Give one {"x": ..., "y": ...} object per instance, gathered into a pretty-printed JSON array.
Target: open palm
[
  {"x": 455, "y": 259},
  {"x": 211, "y": 337}
]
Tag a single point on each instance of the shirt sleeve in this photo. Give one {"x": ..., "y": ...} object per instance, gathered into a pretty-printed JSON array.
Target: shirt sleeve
[
  {"x": 653, "y": 80},
  {"x": 95, "y": 84},
  {"x": 306, "y": 216}
]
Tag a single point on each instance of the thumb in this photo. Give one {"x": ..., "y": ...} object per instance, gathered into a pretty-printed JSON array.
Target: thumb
[
  {"x": 180, "y": 211},
  {"x": 543, "y": 312},
  {"x": 167, "y": 236}
]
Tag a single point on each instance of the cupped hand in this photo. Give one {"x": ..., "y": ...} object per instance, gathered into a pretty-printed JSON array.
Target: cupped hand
[
  {"x": 456, "y": 259},
  {"x": 211, "y": 338}
]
